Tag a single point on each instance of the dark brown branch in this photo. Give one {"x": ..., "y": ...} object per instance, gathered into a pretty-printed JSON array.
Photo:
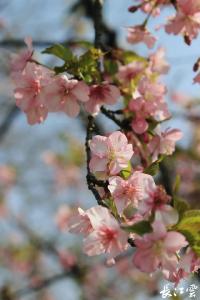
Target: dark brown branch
[
  {"x": 166, "y": 177},
  {"x": 123, "y": 124},
  {"x": 174, "y": 3},
  {"x": 108, "y": 35},
  {"x": 19, "y": 43},
  {"x": 75, "y": 272},
  {"x": 8, "y": 120},
  {"x": 98, "y": 20}
]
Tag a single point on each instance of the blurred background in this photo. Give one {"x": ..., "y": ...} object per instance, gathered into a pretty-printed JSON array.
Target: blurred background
[{"x": 42, "y": 167}]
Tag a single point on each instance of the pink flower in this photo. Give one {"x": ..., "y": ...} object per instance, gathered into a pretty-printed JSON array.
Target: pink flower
[
  {"x": 102, "y": 232},
  {"x": 67, "y": 259},
  {"x": 110, "y": 154},
  {"x": 157, "y": 202},
  {"x": 158, "y": 63},
  {"x": 158, "y": 249},
  {"x": 107, "y": 236},
  {"x": 139, "y": 125},
  {"x": 130, "y": 71},
  {"x": 188, "y": 264},
  {"x": 64, "y": 94},
  {"x": 186, "y": 21},
  {"x": 152, "y": 6},
  {"x": 153, "y": 93},
  {"x": 7, "y": 176},
  {"x": 138, "y": 34},
  {"x": 62, "y": 216},
  {"x": 79, "y": 223},
  {"x": 19, "y": 61},
  {"x": 151, "y": 90},
  {"x": 149, "y": 105},
  {"x": 130, "y": 191},
  {"x": 197, "y": 78},
  {"x": 28, "y": 92},
  {"x": 164, "y": 143},
  {"x": 101, "y": 94}
]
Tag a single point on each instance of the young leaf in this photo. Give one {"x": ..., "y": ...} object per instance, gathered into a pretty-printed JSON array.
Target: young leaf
[
  {"x": 125, "y": 173},
  {"x": 111, "y": 204},
  {"x": 111, "y": 67},
  {"x": 180, "y": 205},
  {"x": 177, "y": 184},
  {"x": 152, "y": 169},
  {"x": 140, "y": 228},
  {"x": 189, "y": 225},
  {"x": 60, "y": 51}
]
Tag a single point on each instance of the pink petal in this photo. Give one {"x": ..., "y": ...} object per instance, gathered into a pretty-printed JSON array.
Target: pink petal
[
  {"x": 81, "y": 91},
  {"x": 174, "y": 241},
  {"x": 98, "y": 146},
  {"x": 71, "y": 107}
]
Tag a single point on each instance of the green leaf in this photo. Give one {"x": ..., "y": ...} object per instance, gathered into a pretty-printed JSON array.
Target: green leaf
[
  {"x": 177, "y": 184},
  {"x": 152, "y": 169},
  {"x": 88, "y": 65},
  {"x": 60, "y": 69},
  {"x": 111, "y": 204},
  {"x": 189, "y": 226},
  {"x": 111, "y": 67},
  {"x": 125, "y": 173},
  {"x": 130, "y": 56},
  {"x": 180, "y": 205},
  {"x": 60, "y": 51},
  {"x": 140, "y": 228}
]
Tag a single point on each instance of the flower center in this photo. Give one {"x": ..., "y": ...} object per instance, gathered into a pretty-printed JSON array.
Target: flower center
[{"x": 107, "y": 235}]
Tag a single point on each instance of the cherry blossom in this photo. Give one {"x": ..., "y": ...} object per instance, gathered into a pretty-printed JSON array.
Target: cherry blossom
[
  {"x": 130, "y": 191},
  {"x": 186, "y": 21},
  {"x": 164, "y": 143},
  {"x": 138, "y": 34},
  {"x": 7, "y": 176},
  {"x": 79, "y": 223},
  {"x": 158, "y": 63},
  {"x": 157, "y": 202},
  {"x": 101, "y": 94},
  {"x": 189, "y": 263},
  {"x": 152, "y": 6},
  {"x": 64, "y": 94},
  {"x": 151, "y": 90},
  {"x": 102, "y": 232},
  {"x": 130, "y": 71},
  {"x": 63, "y": 214},
  {"x": 158, "y": 249},
  {"x": 197, "y": 78},
  {"x": 19, "y": 61},
  {"x": 110, "y": 154},
  {"x": 145, "y": 106},
  {"x": 107, "y": 236},
  {"x": 28, "y": 92}
]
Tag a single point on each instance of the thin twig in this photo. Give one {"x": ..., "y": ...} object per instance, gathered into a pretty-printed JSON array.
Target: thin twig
[
  {"x": 44, "y": 283},
  {"x": 8, "y": 120}
]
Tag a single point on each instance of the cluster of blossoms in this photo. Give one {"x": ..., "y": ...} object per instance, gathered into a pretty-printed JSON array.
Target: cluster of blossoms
[
  {"x": 38, "y": 90},
  {"x": 133, "y": 209},
  {"x": 185, "y": 22},
  {"x": 136, "y": 199}
]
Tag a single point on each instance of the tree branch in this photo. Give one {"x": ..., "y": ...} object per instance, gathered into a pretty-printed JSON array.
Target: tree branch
[
  {"x": 44, "y": 283},
  {"x": 8, "y": 120}
]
